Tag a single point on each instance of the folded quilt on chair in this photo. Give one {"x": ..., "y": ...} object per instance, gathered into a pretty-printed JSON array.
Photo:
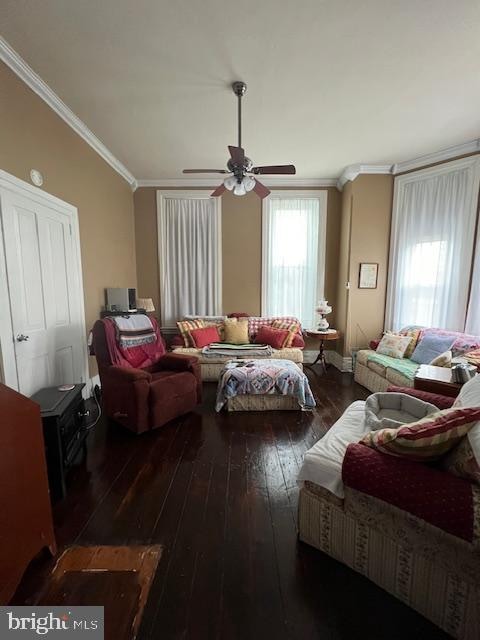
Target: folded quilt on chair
[
  {"x": 258, "y": 377},
  {"x": 134, "y": 330}
]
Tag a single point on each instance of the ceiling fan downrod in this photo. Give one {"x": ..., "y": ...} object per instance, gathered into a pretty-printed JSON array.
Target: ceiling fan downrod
[{"x": 239, "y": 89}]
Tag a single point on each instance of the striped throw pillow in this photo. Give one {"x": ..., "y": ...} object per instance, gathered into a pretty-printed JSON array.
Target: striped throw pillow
[
  {"x": 428, "y": 438},
  {"x": 292, "y": 327},
  {"x": 185, "y": 326}
]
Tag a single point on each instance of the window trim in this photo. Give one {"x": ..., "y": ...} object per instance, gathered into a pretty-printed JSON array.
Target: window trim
[
  {"x": 187, "y": 194},
  {"x": 322, "y": 196}
]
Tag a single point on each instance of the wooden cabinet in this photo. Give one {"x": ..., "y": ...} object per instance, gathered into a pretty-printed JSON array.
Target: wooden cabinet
[{"x": 26, "y": 525}]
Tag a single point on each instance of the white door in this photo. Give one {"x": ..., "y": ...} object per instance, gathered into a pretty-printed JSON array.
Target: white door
[{"x": 44, "y": 289}]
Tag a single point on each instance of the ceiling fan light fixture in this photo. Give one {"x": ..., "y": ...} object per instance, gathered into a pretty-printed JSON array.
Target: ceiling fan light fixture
[
  {"x": 239, "y": 166},
  {"x": 248, "y": 183},
  {"x": 239, "y": 189},
  {"x": 230, "y": 182}
]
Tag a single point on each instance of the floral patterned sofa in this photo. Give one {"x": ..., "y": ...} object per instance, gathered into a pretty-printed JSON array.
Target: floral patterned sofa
[
  {"x": 411, "y": 528},
  {"x": 377, "y": 372},
  {"x": 211, "y": 367}
]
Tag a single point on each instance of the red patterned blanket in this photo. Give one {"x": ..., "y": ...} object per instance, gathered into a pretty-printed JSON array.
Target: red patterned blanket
[{"x": 438, "y": 497}]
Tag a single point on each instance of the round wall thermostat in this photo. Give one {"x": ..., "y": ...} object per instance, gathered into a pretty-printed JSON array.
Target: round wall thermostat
[{"x": 36, "y": 177}]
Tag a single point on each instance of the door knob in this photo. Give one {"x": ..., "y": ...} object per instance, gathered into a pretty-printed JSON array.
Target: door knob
[{"x": 22, "y": 338}]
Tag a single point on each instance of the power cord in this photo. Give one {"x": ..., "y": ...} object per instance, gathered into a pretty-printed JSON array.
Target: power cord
[{"x": 96, "y": 394}]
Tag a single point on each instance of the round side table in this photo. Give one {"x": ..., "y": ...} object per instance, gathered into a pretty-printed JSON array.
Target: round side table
[{"x": 322, "y": 336}]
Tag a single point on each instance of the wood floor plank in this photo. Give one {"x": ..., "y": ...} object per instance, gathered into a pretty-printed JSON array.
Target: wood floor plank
[{"x": 218, "y": 492}]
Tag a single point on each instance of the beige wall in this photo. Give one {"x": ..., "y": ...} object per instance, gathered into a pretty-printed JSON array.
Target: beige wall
[
  {"x": 241, "y": 249},
  {"x": 366, "y": 216},
  {"x": 33, "y": 136}
]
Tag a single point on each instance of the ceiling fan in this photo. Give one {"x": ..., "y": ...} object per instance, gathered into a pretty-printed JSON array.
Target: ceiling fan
[{"x": 241, "y": 172}]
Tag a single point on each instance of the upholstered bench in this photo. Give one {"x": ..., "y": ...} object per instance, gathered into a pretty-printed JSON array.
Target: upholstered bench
[{"x": 263, "y": 385}]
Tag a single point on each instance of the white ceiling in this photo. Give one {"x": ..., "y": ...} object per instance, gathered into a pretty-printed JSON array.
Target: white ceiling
[{"x": 330, "y": 82}]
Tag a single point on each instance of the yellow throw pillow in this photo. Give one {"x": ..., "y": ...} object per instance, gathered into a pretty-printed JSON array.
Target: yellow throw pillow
[
  {"x": 414, "y": 334},
  {"x": 236, "y": 332}
]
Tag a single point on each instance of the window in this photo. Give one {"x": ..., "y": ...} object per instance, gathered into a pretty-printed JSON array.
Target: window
[
  {"x": 431, "y": 249},
  {"x": 189, "y": 244},
  {"x": 294, "y": 227}
]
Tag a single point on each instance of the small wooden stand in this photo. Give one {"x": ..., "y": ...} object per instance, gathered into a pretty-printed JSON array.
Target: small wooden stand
[{"x": 323, "y": 336}]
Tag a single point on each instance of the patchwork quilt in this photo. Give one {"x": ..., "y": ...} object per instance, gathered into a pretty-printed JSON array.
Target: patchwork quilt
[{"x": 281, "y": 377}]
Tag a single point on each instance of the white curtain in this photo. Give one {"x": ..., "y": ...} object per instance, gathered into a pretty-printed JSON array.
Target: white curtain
[
  {"x": 431, "y": 246},
  {"x": 473, "y": 314},
  {"x": 190, "y": 257},
  {"x": 293, "y": 257}
]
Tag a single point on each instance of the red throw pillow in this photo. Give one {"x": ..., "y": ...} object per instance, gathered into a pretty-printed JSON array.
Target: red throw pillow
[
  {"x": 274, "y": 337},
  {"x": 205, "y": 336},
  {"x": 298, "y": 341}
]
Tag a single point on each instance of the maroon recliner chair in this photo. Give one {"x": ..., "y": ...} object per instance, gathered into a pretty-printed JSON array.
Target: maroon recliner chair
[{"x": 144, "y": 388}]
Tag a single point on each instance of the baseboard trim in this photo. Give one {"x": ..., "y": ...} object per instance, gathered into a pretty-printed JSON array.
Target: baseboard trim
[
  {"x": 332, "y": 357},
  {"x": 342, "y": 363}
]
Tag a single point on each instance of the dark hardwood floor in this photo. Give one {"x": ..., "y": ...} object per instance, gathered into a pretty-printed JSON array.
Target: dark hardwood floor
[{"x": 219, "y": 492}]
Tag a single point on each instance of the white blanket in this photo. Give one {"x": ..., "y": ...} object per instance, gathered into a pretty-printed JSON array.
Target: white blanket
[
  {"x": 134, "y": 322},
  {"x": 322, "y": 463}
]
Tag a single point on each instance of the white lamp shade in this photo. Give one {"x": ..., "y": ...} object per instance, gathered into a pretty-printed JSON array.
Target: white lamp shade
[
  {"x": 239, "y": 189},
  {"x": 249, "y": 183},
  {"x": 146, "y": 303},
  {"x": 230, "y": 182}
]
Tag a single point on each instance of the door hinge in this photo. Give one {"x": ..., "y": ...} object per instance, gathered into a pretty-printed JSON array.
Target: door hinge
[{"x": 70, "y": 227}]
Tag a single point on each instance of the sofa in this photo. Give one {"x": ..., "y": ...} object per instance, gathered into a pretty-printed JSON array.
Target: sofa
[
  {"x": 377, "y": 373},
  {"x": 411, "y": 528},
  {"x": 211, "y": 367}
]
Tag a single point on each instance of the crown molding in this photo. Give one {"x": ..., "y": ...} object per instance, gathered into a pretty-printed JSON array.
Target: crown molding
[
  {"x": 211, "y": 183},
  {"x": 18, "y": 65},
  {"x": 354, "y": 170},
  {"x": 437, "y": 156}
]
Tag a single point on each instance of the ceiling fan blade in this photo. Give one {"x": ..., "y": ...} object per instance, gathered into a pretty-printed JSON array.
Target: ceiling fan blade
[
  {"x": 237, "y": 155},
  {"x": 260, "y": 189},
  {"x": 218, "y": 191},
  {"x": 205, "y": 171},
  {"x": 286, "y": 169}
]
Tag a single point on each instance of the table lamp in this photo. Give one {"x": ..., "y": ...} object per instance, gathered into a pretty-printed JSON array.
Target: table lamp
[
  {"x": 323, "y": 308},
  {"x": 146, "y": 304}
]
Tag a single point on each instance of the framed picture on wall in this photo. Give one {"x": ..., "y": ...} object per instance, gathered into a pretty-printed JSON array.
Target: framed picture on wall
[{"x": 368, "y": 275}]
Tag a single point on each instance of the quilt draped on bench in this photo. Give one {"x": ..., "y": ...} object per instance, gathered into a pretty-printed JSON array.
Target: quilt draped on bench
[{"x": 256, "y": 377}]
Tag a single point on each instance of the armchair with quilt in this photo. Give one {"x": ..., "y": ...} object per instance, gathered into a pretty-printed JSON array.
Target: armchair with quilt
[{"x": 143, "y": 387}]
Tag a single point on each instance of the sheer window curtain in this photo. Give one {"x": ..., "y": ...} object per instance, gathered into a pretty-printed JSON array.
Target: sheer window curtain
[
  {"x": 431, "y": 248},
  {"x": 293, "y": 255},
  {"x": 189, "y": 237},
  {"x": 473, "y": 314}
]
